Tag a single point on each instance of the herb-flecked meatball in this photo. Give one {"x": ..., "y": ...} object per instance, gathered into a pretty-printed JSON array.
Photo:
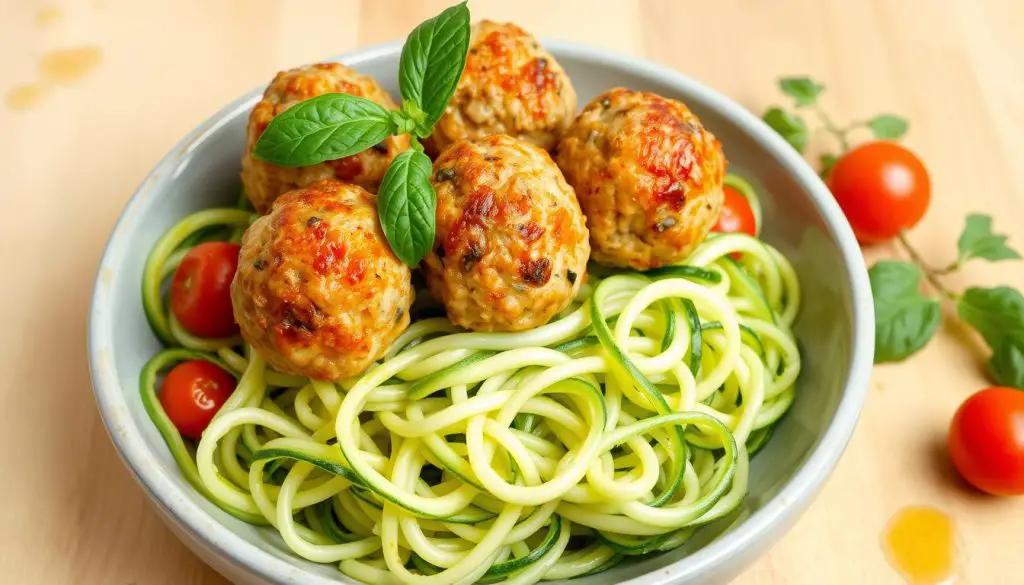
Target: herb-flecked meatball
[
  {"x": 511, "y": 85},
  {"x": 511, "y": 246},
  {"x": 648, "y": 176},
  {"x": 264, "y": 182},
  {"x": 318, "y": 291}
]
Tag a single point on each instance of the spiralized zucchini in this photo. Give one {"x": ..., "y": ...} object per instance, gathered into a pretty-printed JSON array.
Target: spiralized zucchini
[{"x": 613, "y": 431}]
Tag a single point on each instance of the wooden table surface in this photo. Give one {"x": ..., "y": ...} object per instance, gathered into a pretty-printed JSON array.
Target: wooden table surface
[{"x": 71, "y": 159}]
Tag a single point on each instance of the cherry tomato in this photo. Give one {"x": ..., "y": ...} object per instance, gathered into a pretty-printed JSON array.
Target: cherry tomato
[
  {"x": 192, "y": 393},
  {"x": 737, "y": 216},
  {"x": 201, "y": 290},
  {"x": 883, "y": 189},
  {"x": 986, "y": 440}
]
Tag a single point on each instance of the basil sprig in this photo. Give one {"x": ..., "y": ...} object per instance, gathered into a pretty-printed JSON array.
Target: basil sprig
[
  {"x": 336, "y": 125},
  {"x": 806, "y": 93},
  {"x": 906, "y": 319},
  {"x": 907, "y": 314}
]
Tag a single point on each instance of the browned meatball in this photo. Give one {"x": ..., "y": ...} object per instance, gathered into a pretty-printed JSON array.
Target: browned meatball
[
  {"x": 511, "y": 246},
  {"x": 648, "y": 177},
  {"x": 264, "y": 182},
  {"x": 318, "y": 291},
  {"x": 511, "y": 85}
]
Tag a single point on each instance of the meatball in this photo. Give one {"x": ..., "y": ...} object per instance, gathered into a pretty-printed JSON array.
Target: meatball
[
  {"x": 648, "y": 177},
  {"x": 511, "y": 246},
  {"x": 264, "y": 182},
  {"x": 318, "y": 291},
  {"x": 510, "y": 85}
]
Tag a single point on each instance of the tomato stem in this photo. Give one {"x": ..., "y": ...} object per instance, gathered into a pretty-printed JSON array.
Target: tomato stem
[
  {"x": 930, "y": 273},
  {"x": 952, "y": 267},
  {"x": 834, "y": 130}
]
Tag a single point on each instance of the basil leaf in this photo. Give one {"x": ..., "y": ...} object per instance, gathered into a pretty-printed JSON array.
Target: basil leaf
[
  {"x": 978, "y": 241},
  {"x": 1007, "y": 363},
  {"x": 803, "y": 90},
  {"x": 790, "y": 127},
  {"x": 996, "y": 313},
  {"x": 827, "y": 162},
  {"x": 905, "y": 320},
  {"x": 406, "y": 202},
  {"x": 888, "y": 127},
  {"x": 327, "y": 127},
  {"x": 433, "y": 58}
]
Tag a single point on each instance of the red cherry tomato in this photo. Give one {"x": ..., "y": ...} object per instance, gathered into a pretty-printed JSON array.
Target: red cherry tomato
[
  {"x": 883, "y": 189},
  {"x": 986, "y": 441},
  {"x": 201, "y": 290},
  {"x": 737, "y": 216},
  {"x": 192, "y": 393}
]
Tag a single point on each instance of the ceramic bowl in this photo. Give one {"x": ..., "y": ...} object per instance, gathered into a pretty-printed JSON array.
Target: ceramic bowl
[{"x": 801, "y": 219}]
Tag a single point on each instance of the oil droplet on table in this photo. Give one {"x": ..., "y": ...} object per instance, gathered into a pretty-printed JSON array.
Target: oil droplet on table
[
  {"x": 68, "y": 65},
  {"x": 26, "y": 96},
  {"x": 919, "y": 542},
  {"x": 48, "y": 15}
]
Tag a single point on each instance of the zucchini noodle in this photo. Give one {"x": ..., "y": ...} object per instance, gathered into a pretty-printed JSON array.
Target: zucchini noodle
[{"x": 615, "y": 430}]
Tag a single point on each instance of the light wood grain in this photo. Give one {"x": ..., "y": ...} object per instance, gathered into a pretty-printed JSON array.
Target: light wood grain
[{"x": 72, "y": 514}]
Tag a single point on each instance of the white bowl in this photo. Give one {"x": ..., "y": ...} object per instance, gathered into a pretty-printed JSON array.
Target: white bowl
[{"x": 801, "y": 219}]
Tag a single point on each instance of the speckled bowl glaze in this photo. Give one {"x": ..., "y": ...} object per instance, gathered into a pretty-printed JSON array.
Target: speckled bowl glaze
[{"x": 801, "y": 219}]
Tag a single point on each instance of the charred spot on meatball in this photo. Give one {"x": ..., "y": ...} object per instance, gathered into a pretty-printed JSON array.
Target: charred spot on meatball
[
  {"x": 346, "y": 169},
  {"x": 294, "y": 319},
  {"x": 535, "y": 272},
  {"x": 530, "y": 231},
  {"x": 380, "y": 147},
  {"x": 472, "y": 256},
  {"x": 445, "y": 174},
  {"x": 674, "y": 196},
  {"x": 569, "y": 274}
]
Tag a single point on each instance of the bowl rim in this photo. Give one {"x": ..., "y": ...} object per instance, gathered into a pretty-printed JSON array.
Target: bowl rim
[{"x": 795, "y": 495}]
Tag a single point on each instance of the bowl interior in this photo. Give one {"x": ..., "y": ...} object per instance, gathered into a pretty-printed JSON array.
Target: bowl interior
[{"x": 203, "y": 170}]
